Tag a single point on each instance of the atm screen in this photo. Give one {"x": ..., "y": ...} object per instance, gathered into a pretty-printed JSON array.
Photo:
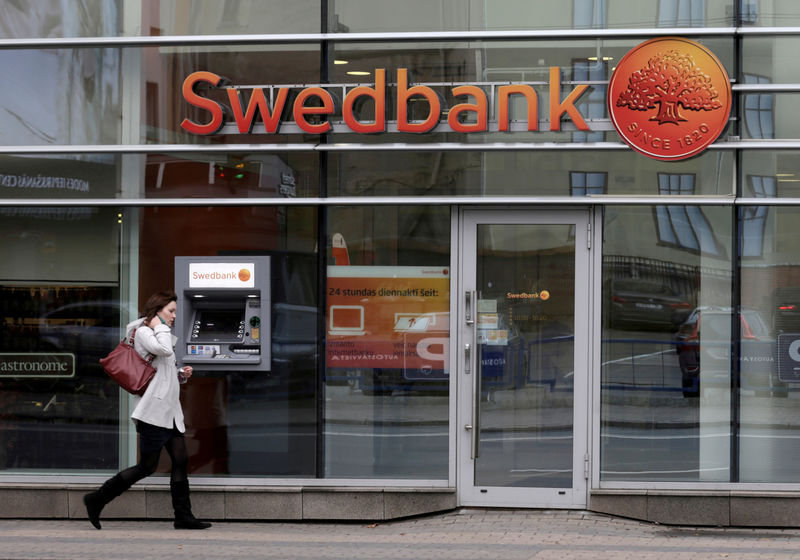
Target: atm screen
[{"x": 214, "y": 323}]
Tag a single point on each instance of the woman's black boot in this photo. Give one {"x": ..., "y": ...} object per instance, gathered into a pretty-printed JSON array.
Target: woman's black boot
[
  {"x": 96, "y": 501},
  {"x": 183, "y": 507}
]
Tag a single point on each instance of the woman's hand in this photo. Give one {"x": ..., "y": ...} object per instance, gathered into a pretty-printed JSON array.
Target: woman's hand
[
  {"x": 186, "y": 371},
  {"x": 154, "y": 322}
]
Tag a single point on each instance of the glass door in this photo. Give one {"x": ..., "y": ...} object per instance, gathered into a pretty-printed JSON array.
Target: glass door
[{"x": 523, "y": 387}]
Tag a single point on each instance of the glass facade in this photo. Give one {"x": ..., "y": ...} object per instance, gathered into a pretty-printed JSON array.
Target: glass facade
[
  {"x": 695, "y": 315},
  {"x": 666, "y": 374}
]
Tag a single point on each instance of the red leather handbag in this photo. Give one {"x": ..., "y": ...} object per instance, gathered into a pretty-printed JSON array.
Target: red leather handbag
[{"x": 125, "y": 366}]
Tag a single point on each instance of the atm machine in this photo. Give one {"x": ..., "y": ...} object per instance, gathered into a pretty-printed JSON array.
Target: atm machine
[
  {"x": 223, "y": 330},
  {"x": 223, "y": 313}
]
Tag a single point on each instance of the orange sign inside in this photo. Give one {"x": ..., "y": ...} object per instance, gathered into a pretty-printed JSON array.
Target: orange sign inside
[
  {"x": 669, "y": 98},
  {"x": 394, "y": 317}
]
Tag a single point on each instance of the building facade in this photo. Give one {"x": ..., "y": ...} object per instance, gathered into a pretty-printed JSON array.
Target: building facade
[{"x": 473, "y": 291}]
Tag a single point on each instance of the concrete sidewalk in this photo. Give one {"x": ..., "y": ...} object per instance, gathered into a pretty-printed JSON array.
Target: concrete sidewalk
[{"x": 459, "y": 535}]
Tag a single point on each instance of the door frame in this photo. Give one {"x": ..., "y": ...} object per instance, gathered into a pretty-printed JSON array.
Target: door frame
[{"x": 468, "y": 493}]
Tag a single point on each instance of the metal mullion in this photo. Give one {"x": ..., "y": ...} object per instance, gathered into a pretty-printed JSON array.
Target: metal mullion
[
  {"x": 359, "y": 147},
  {"x": 646, "y": 200},
  {"x": 767, "y": 30},
  {"x": 775, "y": 201},
  {"x": 398, "y": 36},
  {"x": 769, "y": 88}
]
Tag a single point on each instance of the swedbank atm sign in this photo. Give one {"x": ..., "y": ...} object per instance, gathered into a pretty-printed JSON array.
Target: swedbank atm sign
[{"x": 668, "y": 98}]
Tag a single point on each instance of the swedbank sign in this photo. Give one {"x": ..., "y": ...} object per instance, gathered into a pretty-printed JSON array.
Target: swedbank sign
[
  {"x": 316, "y": 100},
  {"x": 667, "y": 81}
]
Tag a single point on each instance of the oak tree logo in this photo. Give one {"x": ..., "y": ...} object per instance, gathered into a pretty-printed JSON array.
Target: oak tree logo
[{"x": 669, "y": 81}]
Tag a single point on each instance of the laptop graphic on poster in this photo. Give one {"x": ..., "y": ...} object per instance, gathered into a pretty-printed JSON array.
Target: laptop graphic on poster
[
  {"x": 411, "y": 322},
  {"x": 346, "y": 320}
]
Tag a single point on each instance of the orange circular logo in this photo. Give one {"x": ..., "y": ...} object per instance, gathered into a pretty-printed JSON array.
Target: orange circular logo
[
  {"x": 244, "y": 275},
  {"x": 669, "y": 98},
  {"x": 544, "y": 295}
]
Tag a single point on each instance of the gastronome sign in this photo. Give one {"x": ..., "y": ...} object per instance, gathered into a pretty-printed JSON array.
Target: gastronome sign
[{"x": 668, "y": 98}]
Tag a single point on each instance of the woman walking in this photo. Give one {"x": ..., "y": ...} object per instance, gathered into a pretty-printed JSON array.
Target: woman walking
[{"x": 157, "y": 415}]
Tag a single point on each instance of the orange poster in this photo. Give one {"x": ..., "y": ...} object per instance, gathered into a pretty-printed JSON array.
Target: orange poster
[{"x": 393, "y": 317}]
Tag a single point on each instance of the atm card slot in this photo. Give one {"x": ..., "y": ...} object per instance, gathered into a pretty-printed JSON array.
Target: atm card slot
[{"x": 243, "y": 349}]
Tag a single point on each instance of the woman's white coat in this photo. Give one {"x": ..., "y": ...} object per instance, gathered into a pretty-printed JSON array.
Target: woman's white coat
[{"x": 160, "y": 405}]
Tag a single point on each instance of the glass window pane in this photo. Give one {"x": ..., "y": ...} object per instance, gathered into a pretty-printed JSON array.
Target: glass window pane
[
  {"x": 112, "y": 18},
  {"x": 771, "y": 173},
  {"x": 61, "y": 308},
  {"x": 666, "y": 382},
  {"x": 60, "y": 176},
  {"x": 232, "y": 175},
  {"x": 528, "y": 173},
  {"x": 769, "y": 380},
  {"x": 777, "y": 13},
  {"x": 769, "y": 115},
  {"x": 230, "y": 17},
  {"x": 771, "y": 57},
  {"x": 454, "y": 15},
  {"x": 54, "y": 18},
  {"x": 191, "y": 175},
  {"x": 61, "y": 96},
  {"x": 388, "y": 329}
]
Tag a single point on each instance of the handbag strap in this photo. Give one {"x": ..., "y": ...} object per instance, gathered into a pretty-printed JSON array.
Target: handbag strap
[{"x": 132, "y": 339}]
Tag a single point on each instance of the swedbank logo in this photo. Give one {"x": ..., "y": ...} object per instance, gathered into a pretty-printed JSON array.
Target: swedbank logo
[{"x": 669, "y": 98}]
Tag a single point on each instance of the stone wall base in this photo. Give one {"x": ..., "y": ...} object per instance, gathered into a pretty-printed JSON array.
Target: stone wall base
[
  {"x": 230, "y": 503},
  {"x": 290, "y": 503},
  {"x": 705, "y": 508}
]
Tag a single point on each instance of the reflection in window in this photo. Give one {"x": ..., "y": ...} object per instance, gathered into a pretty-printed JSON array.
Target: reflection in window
[
  {"x": 594, "y": 102},
  {"x": 685, "y": 227},
  {"x": 59, "y": 303},
  {"x": 769, "y": 434},
  {"x": 748, "y": 11},
  {"x": 754, "y": 218},
  {"x": 589, "y": 13},
  {"x": 759, "y": 110},
  {"x": 387, "y": 331},
  {"x": 682, "y": 13},
  {"x": 583, "y": 183},
  {"x": 665, "y": 410}
]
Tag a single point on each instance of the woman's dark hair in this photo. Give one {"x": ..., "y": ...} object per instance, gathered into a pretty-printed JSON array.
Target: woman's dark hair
[{"x": 157, "y": 302}]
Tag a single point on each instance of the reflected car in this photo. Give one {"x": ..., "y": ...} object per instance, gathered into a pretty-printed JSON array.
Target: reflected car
[
  {"x": 704, "y": 340},
  {"x": 646, "y": 304},
  {"x": 293, "y": 367},
  {"x": 87, "y": 329},
  {"x": 787, "y": 309}
]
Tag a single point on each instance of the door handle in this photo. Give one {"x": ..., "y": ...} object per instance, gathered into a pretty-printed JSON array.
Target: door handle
[
  {"x": 468, "y": 308},
  {"x": 475, "y": 427},
  {"x": 470, "y": 313}
]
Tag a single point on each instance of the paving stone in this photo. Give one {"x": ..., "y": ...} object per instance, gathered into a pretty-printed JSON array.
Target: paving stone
[{"x": 468, "y": 534}]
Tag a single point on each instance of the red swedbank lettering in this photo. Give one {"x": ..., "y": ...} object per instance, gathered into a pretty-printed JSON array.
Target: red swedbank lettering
[{"x": 255, "y": 112}]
